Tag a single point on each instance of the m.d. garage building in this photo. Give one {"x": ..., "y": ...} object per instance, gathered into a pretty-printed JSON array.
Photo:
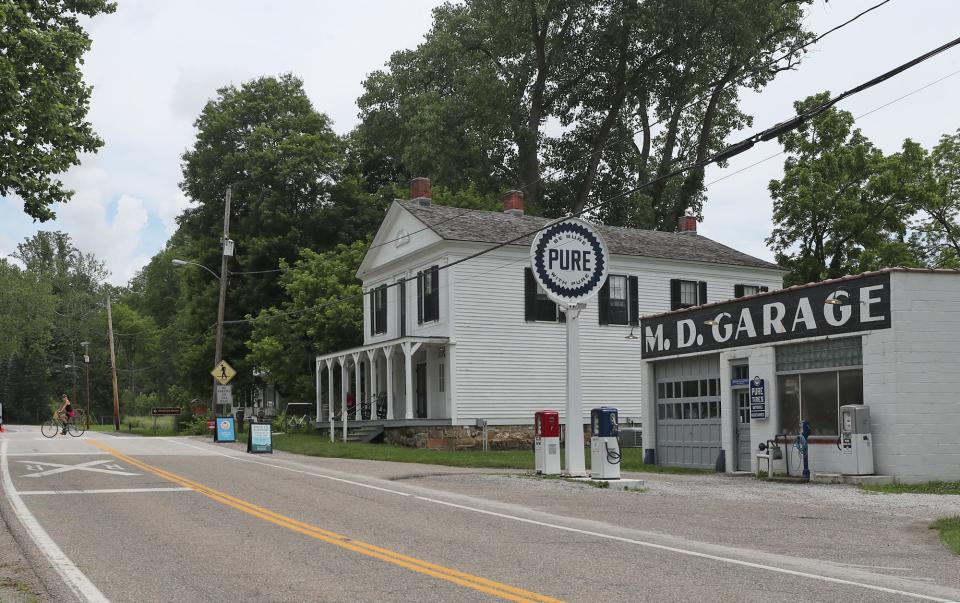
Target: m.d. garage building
[{"x": 721, "y": 379}]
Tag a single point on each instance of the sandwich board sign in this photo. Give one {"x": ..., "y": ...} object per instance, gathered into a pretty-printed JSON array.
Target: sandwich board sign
[
  {"x": 225, "y": 430},
  {"x": 260, "y": 438},
  {"x": 569, "y": 261},
  {"x": 223, "y": 372}
]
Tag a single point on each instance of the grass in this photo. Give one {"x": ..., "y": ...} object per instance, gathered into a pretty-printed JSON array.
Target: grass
[
  {"x": 949, "y": 528},
  {"x": 141, "y": 426},
  {"x": 923, "y": 488},
  {"x": 315, "y": 445}
]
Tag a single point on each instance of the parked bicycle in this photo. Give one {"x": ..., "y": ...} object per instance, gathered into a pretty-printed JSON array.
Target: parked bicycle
[{"x": 55, "y": 425}]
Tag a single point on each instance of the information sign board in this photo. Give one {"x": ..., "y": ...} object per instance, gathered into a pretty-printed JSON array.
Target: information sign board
[
  {"x": 758, "y": 399},
  {"x": 226, "y": 430},
  {"x": 225, "y": 394},
  {"x": 260, "y": 438},
  {"x": 163, "y": 411}
]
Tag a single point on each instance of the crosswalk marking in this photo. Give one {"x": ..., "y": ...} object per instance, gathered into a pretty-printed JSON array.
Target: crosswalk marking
[{"x": 109, "y": 467}]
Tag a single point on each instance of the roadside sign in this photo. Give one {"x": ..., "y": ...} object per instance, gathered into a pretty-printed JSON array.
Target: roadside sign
[
  {"x": 225, "y": 394},
  {"x": 260, "y": 438},
  {"x": 569, "y": 261},
  {"x": 226, "y": 430},
  {"x": 162, "y": 411},
  {"x": 223, "y": 372}
]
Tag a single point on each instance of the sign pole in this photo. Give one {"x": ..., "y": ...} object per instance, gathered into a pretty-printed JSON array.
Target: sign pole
[{"x": 574, "y": 448}]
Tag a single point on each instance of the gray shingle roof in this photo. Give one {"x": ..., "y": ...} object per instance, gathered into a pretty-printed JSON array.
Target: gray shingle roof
[{"x": 458, "y": 224}]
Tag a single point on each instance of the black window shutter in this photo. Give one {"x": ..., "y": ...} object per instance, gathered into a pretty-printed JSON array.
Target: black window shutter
[
  {"x": 402, "y": 298},
  {"x": 420, "y": 298},
  {"x": 738, "y": 290},
  {"x": 702, "y": 297},
  {"x": 435, "y": 293},
  {"x": 764, "y": 289},
  {"x": 373, "y": 314},
  {"x": 561, "y": 313},
  {"x": 529, "y": 295},
  {"x": 675, "y": 294},
  {"x": 603, "y": 306},
  {"x": 634, "y": 292}
]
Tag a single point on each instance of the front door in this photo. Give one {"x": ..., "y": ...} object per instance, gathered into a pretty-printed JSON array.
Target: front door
[
  {"x": 421, "y": 412},
  {"x": 742, "y": 396}
]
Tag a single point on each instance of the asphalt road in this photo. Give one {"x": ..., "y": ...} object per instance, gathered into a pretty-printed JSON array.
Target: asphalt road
[{"x": 182, "y": 519}]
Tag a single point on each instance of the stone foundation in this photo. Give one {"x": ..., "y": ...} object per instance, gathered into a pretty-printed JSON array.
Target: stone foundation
[{"x": 449, "y": 437}]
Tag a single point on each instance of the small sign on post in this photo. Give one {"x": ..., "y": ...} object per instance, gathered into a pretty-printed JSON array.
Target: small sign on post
[
  {"x": 260, "y": 438},
  {"x": 165, "y": 411},
  {"x": 223, "y": 372},
  {"x": 225, "y": 394},
  {"x": 758, "y": 399}
]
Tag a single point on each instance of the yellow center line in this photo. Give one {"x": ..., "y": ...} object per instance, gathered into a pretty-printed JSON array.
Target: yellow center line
[{"x": 490, "y": 587}]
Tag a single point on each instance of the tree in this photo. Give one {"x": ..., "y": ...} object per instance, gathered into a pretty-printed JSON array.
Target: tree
[
  {"x": 938, "y": 227},
  {"x": 842, "y": 206},
  {"x": 469, "y": 106},
  {"x": 43, "y": 99},
  {"x": 324, "y": 313}
]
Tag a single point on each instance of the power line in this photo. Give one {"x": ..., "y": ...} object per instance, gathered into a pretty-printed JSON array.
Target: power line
[{"x": 730, "y": 151}]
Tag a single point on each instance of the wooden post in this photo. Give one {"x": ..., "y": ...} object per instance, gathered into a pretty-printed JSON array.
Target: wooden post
[
  {"x": 113, "y": 370},
  {"x": 224, "y": 276}
]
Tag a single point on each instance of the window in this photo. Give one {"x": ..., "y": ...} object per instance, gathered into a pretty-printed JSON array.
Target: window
[
  {"x": 378, "y": 310},
  {"x": 428, "y": 295},
  {"x": 618, "y": 303},
  {"x": 741, "y": 371},
  {"x": 744, "y": 290},
  {"x": 685, "y": 294},
  {"x": 538, "y": 307}
]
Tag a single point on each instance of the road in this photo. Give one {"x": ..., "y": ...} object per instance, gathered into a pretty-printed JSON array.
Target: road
[{"x": 108, "y": 518}]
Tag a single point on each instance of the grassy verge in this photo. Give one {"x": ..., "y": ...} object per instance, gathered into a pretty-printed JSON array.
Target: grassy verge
[
  {"x": 924, "y": 488},
  {"x": 141, "y": 426},
  {"x": 313, "y": 445},
  {"x": 949, "y": 528}
]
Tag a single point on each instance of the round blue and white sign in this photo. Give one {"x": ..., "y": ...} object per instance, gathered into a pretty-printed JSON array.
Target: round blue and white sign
[{"x": 569, "y": 260}]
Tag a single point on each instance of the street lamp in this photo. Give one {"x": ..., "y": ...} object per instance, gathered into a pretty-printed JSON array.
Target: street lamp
[
  {"x": 86, "y": 379},
  {"x": 185, "y": 262}
]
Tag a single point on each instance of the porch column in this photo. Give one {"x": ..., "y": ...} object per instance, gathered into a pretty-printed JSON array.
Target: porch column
[
  {"x": 372, "y": 360},
  {"x": 356, "y": 380},
  {"x": 409, "y": 349},
  {"x": 344, "y": 386},
  {"x": 388, "y": 353},
  {"x": 330, "y": 400}
]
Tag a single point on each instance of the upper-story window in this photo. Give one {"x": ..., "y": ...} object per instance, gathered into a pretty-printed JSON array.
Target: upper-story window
[
  {"x": 618, "y": 300},
  {"x": 378, "y": 310},
  {"x": 428, "y": 295},
  {"x": 745, "y": 290},
  {"x": 684, "y": 294},
  {"x": 537, "y": 305}
]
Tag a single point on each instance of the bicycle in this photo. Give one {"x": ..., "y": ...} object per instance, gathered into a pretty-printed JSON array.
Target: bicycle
[{"x": 54, "y": 425}]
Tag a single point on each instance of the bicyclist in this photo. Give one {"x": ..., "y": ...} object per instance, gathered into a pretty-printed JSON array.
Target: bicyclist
[{"x": 65, "y": 412}]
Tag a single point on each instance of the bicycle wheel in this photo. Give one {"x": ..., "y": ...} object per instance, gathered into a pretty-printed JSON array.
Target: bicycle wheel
[
  {"x": 49, "y": 428},
  {"x": 75, "y": 429}
]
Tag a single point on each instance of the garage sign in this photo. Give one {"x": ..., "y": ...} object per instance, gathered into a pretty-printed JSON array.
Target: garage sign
[{"x": 569, "y": 261}]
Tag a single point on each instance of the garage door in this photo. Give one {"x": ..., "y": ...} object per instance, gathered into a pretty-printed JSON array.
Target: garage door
[{"x": 688, "y": 412}]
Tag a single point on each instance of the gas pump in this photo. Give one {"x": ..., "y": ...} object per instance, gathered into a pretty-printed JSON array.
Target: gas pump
[
  {"x": 546, "y": 431},
  {"x": 604, "y": 447},
  {"x": 856, "y": 441}
]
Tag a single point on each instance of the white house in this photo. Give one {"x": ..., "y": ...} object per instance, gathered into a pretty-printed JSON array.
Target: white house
[{"x": 450, "y": 338}]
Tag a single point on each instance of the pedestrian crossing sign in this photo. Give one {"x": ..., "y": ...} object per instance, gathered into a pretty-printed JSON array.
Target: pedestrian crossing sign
[{"x": 223, "y": 372}]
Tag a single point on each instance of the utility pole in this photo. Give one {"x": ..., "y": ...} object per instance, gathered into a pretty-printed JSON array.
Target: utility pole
[
  {"x": 86, "y": 379},
  {"x": 227, "y": 245},
  {"x": 113, "y": 369},
  {"x": 73, "y": 372}
]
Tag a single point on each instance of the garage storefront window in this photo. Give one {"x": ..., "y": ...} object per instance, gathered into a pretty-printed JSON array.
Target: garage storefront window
[{"x": 815, "y": 379}]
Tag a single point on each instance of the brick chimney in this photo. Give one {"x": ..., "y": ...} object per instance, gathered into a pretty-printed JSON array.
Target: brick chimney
[
  {"x": 513, "y": 203},
  {"x": 420, "y": 191},
  {"x": 687, "y": 223}
]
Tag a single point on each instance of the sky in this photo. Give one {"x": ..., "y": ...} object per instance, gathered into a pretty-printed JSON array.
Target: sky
[{"x": 154, "y": 65}]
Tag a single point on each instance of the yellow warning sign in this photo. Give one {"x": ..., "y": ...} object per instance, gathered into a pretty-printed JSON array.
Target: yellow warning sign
[{"x": 223, "y": 372}]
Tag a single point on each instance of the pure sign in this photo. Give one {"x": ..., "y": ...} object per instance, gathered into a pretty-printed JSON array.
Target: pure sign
[
  {"x": 758, "y": 399},
  {"x": 569, "y": 260}
]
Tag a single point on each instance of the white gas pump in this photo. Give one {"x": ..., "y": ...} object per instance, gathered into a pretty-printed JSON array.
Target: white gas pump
[
  {"x": 856, "y": 441},
  {"x": 546, "y": 430},
  {"x": 604, "y": 445}
]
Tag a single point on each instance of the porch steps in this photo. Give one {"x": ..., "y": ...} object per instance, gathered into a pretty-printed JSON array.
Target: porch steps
[{"x": 357, "y": 432}]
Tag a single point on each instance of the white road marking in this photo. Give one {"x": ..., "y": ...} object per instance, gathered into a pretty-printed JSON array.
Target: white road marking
[
  {"x": 111, "y": 469},
  {"x": 643, "y": 543},
  {"x": 55, "y": 453},
  {"x": 77, "y": 581},
  {"x": 103, "y": 491}
]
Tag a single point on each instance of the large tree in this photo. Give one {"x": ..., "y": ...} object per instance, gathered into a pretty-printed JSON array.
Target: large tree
[
  {"x": 43, "y": 98},
  {"x": 938, "y": 224},
  {"x": 842, "y": 206},
  {"x": 563, "y": 99}
]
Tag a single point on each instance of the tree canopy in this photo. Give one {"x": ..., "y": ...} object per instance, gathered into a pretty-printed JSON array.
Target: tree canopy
[{"x": 43, "y": 98}]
